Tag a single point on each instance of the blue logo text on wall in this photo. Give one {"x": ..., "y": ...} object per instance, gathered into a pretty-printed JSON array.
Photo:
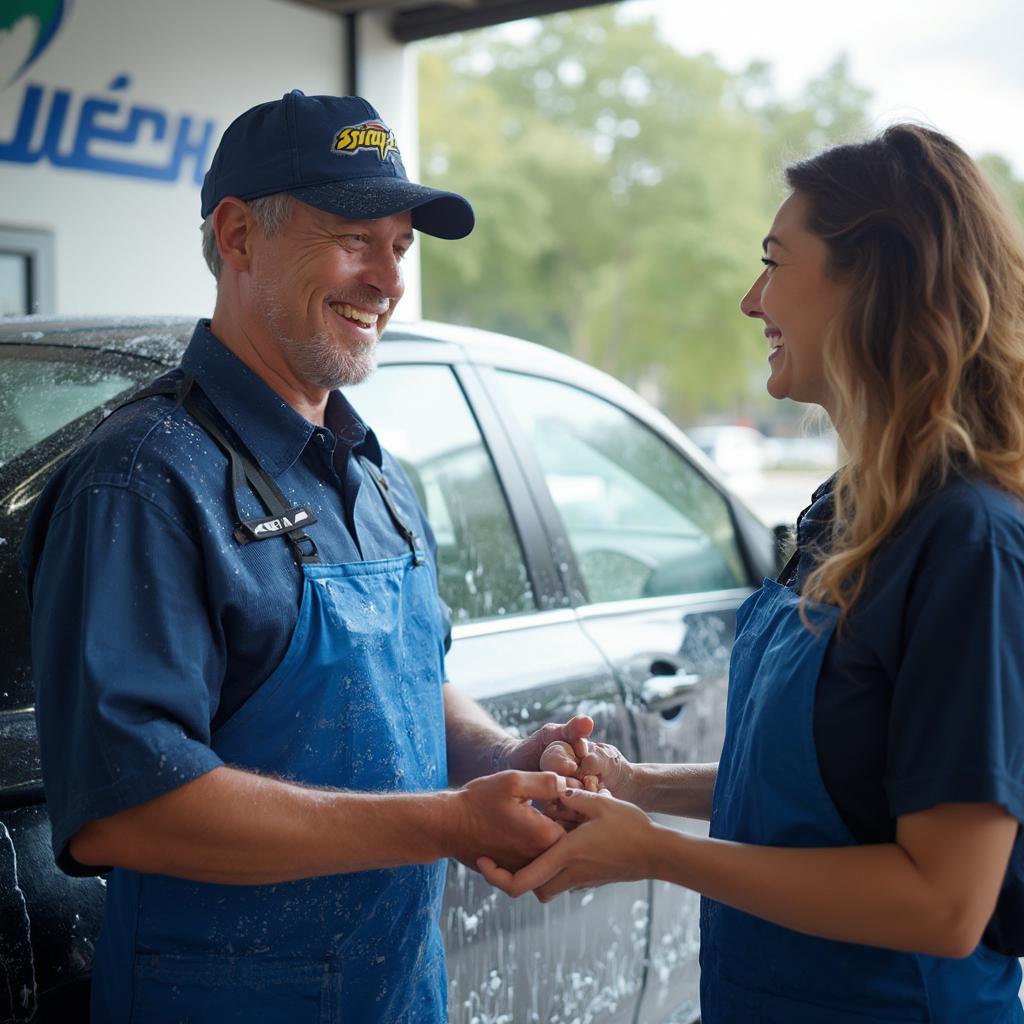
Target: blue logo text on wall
[{"x": 105, "y": 134}]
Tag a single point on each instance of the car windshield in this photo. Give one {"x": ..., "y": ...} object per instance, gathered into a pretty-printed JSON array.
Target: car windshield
[{"x": 43, "y": 390}]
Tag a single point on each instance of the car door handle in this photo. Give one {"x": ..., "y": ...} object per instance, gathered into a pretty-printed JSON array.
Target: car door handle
[{"x": 662, "y": 693}]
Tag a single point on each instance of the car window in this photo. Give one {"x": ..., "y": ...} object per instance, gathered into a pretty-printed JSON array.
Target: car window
[
  {"x": 43, "y": 390},
  {"x": 641, "y": 520},
  {"x": 421, "y": 416},
  {"x": 46, "y": 396}
]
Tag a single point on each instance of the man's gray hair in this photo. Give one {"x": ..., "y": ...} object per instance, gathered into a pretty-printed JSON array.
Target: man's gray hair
[{"x": 271, "y": 214}]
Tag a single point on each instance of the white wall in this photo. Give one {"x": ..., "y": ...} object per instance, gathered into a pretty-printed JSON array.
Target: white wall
[
  {"x": 387, "y": 77},
  {"x": 126, "y": 245}
]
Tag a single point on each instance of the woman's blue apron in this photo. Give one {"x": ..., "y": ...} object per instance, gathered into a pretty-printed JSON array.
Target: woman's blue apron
[
  {"x": 770, "y": 793},
  {"x": 355, "y": 704}
]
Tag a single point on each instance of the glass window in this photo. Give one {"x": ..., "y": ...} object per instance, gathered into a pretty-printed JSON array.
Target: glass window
[
  {"x": 421, "y": 416},
  {"x": 642, "y": 521},
  {"x": 42, "y": 391}
]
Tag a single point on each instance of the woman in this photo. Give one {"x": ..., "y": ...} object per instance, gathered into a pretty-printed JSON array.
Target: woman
[{"x": 865, "y": 862}]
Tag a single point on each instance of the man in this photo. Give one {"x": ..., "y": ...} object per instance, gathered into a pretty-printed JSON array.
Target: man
[{"x": 237, "y": 637}]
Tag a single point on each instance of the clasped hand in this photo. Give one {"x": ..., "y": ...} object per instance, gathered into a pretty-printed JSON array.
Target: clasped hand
[
  {"x": 496, "y": 816},
  {"x": 605, "y": 839}
]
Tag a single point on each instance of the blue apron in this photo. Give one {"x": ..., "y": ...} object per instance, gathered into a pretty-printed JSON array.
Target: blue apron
[
  {"x": 355, "y": 703},
  {"x": 769, "y": 792}
]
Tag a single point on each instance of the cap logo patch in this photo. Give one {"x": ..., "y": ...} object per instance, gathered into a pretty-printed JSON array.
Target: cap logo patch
[{"x": 368, "y": 135}]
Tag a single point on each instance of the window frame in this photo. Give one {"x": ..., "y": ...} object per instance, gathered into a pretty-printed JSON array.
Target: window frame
[
  {"x": 38, "y": 249},
  {"x": 548, "y": 590},
  {"x": 755, "y": 565}
]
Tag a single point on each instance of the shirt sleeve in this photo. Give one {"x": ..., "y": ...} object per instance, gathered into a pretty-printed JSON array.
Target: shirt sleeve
[
  {"x": 123, "y": 656},
  {"x": 957, "y": 724}
]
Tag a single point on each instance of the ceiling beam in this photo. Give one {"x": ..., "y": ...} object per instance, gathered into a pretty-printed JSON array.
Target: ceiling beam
[
  {"x": 411, "y": 20},
  {"x": 427, "y": 20}
]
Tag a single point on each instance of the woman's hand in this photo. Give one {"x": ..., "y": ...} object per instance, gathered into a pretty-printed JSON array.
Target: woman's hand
[
  {"x": 564, "y": 758},
  {"x": 612, "y": 845},
  {"x": 595, "y": 765},
  {"x": 612, "y": 771}
]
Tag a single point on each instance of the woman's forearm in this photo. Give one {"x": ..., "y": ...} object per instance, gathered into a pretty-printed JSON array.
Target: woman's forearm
[
  {"x": 876, "y": 895},
  {"x": 932, "y": 891},
  {"x": 684, "y": 790}
]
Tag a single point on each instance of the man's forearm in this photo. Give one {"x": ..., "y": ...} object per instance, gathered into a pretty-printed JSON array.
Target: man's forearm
[
  {"x": 476, "y": 744},
  {"x": 236, "y": 828}
]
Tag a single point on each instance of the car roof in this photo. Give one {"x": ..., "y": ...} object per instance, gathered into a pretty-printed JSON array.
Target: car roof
[
  {"x": 161, "y": 339},
  {"x": 164, "y": 338}
]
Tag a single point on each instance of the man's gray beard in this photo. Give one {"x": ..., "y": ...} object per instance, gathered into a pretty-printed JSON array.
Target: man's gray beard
[
  {"x": 318, "y": 359},
  {"x": 323, "y": 361}
]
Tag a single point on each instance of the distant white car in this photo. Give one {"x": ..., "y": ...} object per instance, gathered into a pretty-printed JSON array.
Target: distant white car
[
  {"x": 798, "y": 453},
  {"x": 736, "y": 451}
]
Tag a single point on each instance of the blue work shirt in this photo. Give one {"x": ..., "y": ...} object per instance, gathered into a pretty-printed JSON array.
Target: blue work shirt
[
  {"x": 920, "y": 699},
  {"x": 147, "y": 613}
]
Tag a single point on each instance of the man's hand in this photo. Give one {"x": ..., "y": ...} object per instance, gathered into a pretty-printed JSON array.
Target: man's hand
[
  {"x": 585, "y": 765},
  {"x": 614, "y": 844},
  {"x": 524, "y": 755},
  {"x": 493, "y": 818},
  {"x": 564, "y": 759}
]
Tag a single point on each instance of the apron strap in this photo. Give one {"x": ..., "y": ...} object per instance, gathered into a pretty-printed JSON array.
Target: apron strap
[
  {"x": 283, "y": 519},
  {"x": 788, "y": 573},
  {"x": 788, "y": 576},
  {"x": 384, "y": 488}
]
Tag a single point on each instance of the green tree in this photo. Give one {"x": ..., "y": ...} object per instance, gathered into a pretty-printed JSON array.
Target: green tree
[
  {"x": 622, "y": 190},
  {"x": 830, "y": 109},
  {"x": 1007, "y": 183}
]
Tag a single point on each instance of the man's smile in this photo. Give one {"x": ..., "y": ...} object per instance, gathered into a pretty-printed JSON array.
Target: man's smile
[{"x": 359, "y": 317}]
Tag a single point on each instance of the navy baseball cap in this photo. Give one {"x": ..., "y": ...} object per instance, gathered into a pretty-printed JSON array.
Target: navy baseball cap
[{"x": 332, "y": 152}]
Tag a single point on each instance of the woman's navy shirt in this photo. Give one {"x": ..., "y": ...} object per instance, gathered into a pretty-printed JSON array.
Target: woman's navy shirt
[
  {"x": 920, "y": 700},
  {"x": 147, "y": 614}
]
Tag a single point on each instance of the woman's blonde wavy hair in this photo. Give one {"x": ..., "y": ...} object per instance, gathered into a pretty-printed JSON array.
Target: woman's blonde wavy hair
[{"x": 925, "y": 361}]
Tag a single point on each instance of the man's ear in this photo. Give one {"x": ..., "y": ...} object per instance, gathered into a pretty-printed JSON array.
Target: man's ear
[{"x": 233, "y": 226}]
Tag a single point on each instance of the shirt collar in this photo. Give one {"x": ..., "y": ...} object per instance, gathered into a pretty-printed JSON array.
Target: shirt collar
[
  {"x": 825, "y": 487},
  {"x": 813, "y": 525},
  {"x": 272, "y": 431},
  {"x": 347, "y": 426}
]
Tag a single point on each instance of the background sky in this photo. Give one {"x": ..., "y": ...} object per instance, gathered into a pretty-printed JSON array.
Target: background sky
[{"x": 955, "y": 64}]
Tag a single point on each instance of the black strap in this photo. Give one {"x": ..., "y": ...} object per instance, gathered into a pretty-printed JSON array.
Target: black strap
[
  {"x": 282, "y": 519},
  {"x": 384, "y": 488},
  {"x": 789, "y": 569},
  {"x": 788, "y": 575}
]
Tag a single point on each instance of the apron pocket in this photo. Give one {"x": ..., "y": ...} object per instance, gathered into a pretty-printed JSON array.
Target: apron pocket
[{"x": 177, "y": 989}]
